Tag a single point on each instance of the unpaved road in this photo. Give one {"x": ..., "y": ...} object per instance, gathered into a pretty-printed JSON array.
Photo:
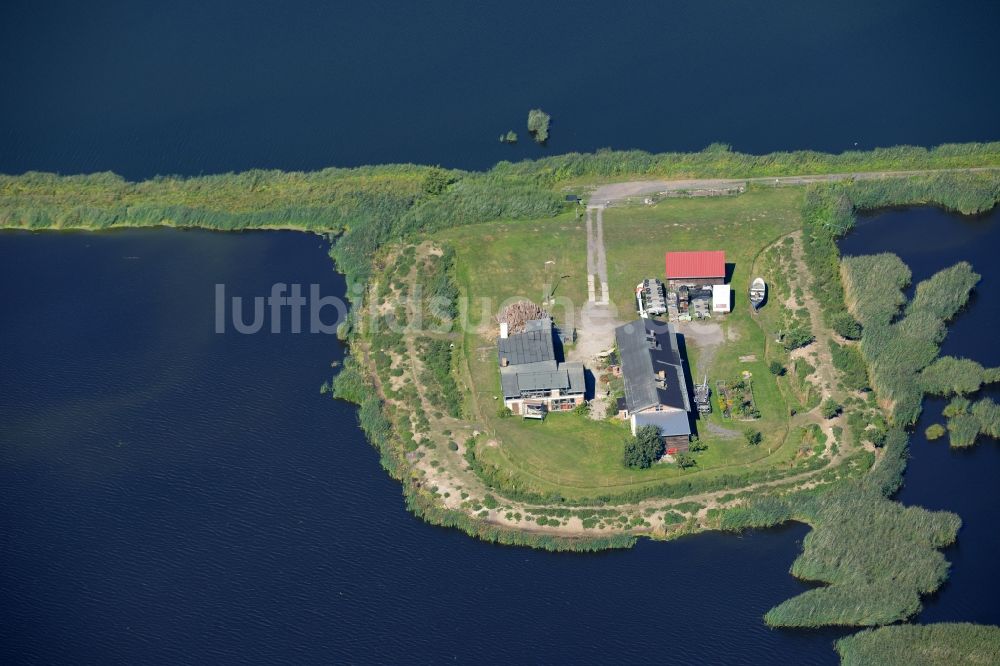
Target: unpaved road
[
  {"x": 597, "y": 260},
  {"x": 595, "y": 331},
  {"x": 606, "y": 195}
]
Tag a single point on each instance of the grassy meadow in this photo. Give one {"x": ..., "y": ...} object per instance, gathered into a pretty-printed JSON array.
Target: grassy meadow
[{"x": 575, "y": 456}]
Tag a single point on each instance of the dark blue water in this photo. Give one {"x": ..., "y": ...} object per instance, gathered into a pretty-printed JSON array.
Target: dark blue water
[
  {"x": 172, "y": 495},
  {"x": 937, "y": 477},
  {"x": 196, "y": 86}
]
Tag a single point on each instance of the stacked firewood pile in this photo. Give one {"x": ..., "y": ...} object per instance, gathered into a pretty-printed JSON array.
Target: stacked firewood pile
[{"x": 517, "y": 314}]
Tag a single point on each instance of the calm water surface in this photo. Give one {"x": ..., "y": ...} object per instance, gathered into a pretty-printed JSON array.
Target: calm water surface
[
  {"x": 171, "y": 494},
  {"x": 175, "y": 496},
  {"x": 190, "y": 86}
]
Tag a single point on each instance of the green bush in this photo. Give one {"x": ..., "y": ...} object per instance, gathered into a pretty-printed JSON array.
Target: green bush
[
  {"x": 685, "y": 460},
  {"x": 644, "y": 448},
  {"x": 349, "y": 384},
  {"x": 934, "y": 431},
  {"x": 440, "y": 387},
  {"x": 958, "y": 405},
  {"x": 796, "y": 337},
  {"x": 830, "y": 408},
  {"x": 538, "y": 125},
  {"x": 848, "y": 360},
  {"x": 846, "y": 326}
]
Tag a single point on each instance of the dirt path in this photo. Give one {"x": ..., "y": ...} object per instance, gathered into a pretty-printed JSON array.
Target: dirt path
[
  {"x": 613, "y": 193},
  {"x": 595, "y": 332},
  {"x": 591, "y": 257},
  {"x": 597, "y": 261},
  {"x": 825, "y": 372},
  {"x": 602, "y": 258}
]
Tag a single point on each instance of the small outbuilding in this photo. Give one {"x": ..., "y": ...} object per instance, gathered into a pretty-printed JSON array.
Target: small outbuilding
[{"x": 721, "y": 298}]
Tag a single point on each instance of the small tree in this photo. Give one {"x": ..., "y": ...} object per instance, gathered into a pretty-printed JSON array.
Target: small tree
[
  {"x": 753, "y": 437},
  {"x": 437, "y": 181},
  {"x": 776, "y": 368},
  {"x": 846, "y": 326},
  {"x": 611, "y": 408},
  {"x": 685, "y": 460},
  {"x": 644, "y": 448},
  {"x": 504, "y": 411},
  {"x": 797, "y": 337},
  {"x": 830, "y": 408},
  {"x": 697, "y": 444}
]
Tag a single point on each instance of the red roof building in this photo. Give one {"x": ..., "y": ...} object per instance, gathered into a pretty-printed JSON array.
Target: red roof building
[{"x": 696, "y": 267}]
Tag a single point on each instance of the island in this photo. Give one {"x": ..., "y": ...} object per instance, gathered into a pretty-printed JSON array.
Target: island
[{"x": 575, "y": 352}]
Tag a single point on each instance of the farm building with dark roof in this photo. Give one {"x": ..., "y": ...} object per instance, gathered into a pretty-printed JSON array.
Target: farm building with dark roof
[
  {"x": 530, "y": 375},
  {"x": 656, "y": 391}
]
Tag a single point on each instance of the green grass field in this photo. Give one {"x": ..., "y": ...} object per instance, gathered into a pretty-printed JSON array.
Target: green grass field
[
  {"x": 578, "y": 457},
  {"x": 523, "y": 259}
]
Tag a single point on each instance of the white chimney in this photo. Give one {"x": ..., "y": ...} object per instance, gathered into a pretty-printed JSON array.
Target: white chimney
[{"x": 503, "y": 330}]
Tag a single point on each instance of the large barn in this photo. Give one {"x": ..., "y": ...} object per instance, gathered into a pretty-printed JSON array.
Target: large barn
[
  {"x": 533, "y": 382},
  {"x": 696, "y": 268},
  {"x": 656, "y": 391}
]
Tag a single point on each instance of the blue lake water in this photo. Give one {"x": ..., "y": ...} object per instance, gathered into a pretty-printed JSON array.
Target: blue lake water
[
  {"x": 171, "y": 494},
  {"x": 175, "y": 496},
  {"x": 193, "y": 87}
]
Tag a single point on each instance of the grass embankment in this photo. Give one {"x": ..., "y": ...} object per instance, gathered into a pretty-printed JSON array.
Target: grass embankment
[
  {"x": 365, "y": 206},
  {"x": 408, "y": 400},
  {"x": 372, "y": 205},
  {"x": 719, "y": 161},
  {"x": 943, "y": 644}
]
